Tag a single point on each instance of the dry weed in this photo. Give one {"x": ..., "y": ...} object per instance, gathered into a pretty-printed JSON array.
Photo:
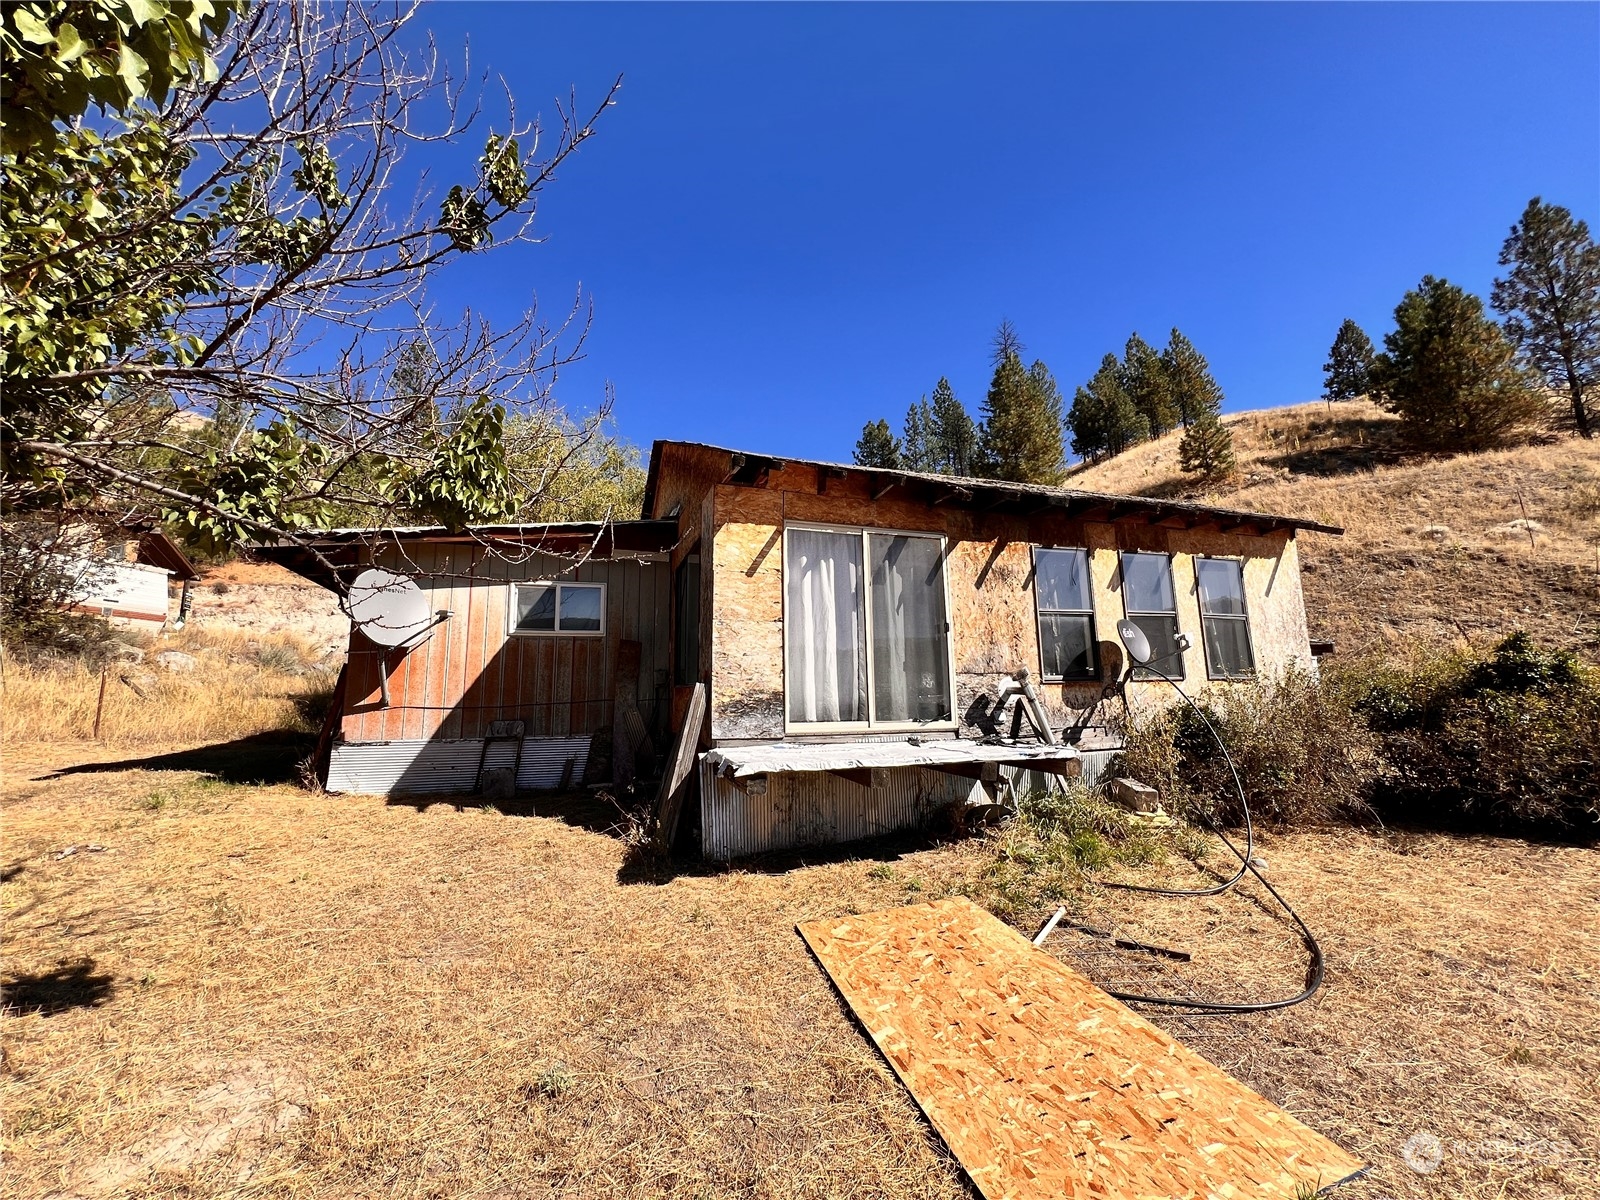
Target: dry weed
[
  {"x": 237, "y": 686},
  {"x": 480, "y": 1005}
]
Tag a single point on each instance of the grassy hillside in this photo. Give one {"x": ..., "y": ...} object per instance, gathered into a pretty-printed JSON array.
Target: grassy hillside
[{"x": 1436, "y": 548}]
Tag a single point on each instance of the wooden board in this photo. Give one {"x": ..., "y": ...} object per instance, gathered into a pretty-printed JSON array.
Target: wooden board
[
  {"x": 669, "y": 800},
  {"x": 1044, "y": 1086}
]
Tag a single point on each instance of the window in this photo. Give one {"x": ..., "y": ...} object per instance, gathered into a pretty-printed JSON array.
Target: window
[
  {"x": 574, "y": 609},
  {"x": 1066, "y": 615},
  {"x": 866, "y": 637},
  {"x": 686, "y": 612},
  {"x": 1224, "y": 624},
  {"x": 1148, "y": 598}
]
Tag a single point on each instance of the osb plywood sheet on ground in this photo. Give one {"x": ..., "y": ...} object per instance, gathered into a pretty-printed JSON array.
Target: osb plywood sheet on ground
[{"x": 1044, "y": 1086}]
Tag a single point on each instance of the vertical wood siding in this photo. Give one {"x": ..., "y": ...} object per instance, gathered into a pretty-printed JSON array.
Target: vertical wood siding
[{"x": 470, "y": 672}]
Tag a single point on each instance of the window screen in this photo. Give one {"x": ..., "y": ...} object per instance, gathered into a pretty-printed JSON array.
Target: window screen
[
  {"x": 571, "y": 608},
  {"x": 1066, "y": 615},
  {"x": 1224, "y": 623},
  {"x": 1148, "y": 598}
]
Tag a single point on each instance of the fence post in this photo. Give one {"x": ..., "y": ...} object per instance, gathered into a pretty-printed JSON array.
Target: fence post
[{"x": 100, "y": 704}]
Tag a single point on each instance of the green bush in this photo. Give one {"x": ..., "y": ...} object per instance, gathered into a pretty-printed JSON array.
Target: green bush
[
  {"x": 1303, "y": 755},
  {"x": 1508, "y": 742}
]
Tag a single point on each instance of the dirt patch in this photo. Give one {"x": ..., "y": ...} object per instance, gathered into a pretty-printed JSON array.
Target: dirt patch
[{"x": 233, "y": 1121}]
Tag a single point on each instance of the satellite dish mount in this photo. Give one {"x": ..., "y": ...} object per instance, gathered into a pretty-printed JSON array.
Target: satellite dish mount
[{"x": 392, "y": 613}]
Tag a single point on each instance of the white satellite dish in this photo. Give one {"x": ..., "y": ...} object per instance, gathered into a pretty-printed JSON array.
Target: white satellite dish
[{"x": 390, "y": 609}]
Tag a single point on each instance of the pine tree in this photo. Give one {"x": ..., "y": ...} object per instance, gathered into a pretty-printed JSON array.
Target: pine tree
[
  {"x": 1020, "y": 439},
  {"x": 916, "y": 438},
  {"x": 1144, "y": 379},
  {"x": 1348, "y": 371},
  {"x": 954, "y": 434},
  {"x": 878, "y": 447},
  {"x": 1207, "y": 449},
  {"x": 1104, "y": 421},
  {"x": 1450, "y": 373},
  {"x": 1194, "y": 392},
  {"x": 1551, "y": 302}
]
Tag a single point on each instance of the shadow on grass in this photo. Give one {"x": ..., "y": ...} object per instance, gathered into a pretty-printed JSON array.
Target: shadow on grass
[
  {"x": 644, "y": 865},
  {"x": 597, "y": 812},
  {"x": 75, "y": 986},
  {"x": 261, "y": 758}
]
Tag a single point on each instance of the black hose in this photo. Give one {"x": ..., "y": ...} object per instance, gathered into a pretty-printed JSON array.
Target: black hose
[{"x": 1318, "y": 967}]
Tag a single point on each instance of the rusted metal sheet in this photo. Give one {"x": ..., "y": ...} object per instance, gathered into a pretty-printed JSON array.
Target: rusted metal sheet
[
  {"x": 470, "y": 672},
  {"x": 450, "y": 767}
]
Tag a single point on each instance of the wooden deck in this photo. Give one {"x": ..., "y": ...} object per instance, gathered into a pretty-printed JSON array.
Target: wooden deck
[{"x": 1044, "y": 1086}]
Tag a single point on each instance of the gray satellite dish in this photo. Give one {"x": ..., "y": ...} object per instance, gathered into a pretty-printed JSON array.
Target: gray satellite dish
[
  {"x": 1134, "y": 639},
  {"x": 390, "y": 609}
]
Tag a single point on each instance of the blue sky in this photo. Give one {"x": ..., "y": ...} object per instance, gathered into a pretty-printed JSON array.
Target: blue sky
[{"x": 799, "y": 216}]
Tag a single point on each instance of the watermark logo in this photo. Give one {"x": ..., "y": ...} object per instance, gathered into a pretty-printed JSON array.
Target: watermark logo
[{"x": 1423, "y": 1153}]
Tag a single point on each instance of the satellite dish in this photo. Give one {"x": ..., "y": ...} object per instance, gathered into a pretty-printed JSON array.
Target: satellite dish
[
  {"x": 390, "y": 609},
  {"x": 1134, "y": 639}
]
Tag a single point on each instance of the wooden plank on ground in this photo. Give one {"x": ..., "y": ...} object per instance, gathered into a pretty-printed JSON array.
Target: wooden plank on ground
[
  {"x": 669, "y": 801},
  {"x": 1044, "y": 1086}
]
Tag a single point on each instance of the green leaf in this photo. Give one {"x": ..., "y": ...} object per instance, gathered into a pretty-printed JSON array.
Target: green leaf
[{"x": 31, "y": 28}]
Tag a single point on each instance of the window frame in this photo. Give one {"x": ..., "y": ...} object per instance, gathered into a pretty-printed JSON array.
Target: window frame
[
  {"x": 1040, "y": 612},
  {"x": 863, "y": 531},
  {"x": 1142, "y": 674},
  {"x": 1243, "y": 618},
  {"x": 511, "y": 608}
]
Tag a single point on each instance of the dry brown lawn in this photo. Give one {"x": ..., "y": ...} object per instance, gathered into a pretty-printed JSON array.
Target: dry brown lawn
[
  {"x": 1434, "y": 548},
  {"x": 257, "y": 991}
]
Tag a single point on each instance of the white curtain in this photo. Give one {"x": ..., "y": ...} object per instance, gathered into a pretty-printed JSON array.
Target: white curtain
[
  {"x": 824, "y": 641},
  {"x": 910, "y": 666}
]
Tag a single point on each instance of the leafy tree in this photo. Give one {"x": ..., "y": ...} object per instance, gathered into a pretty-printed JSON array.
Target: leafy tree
[
  {"x": 954, "y": 434},
  {"x": 1348, "y": 372},
  {"x": 917, "y": 451},
  {"x": 1104, "y": 420},
  {"x": 218, "y": 254},
  {"x": 1020, "y": 438},
  {"x": 1144, "y": 379},
  {"x": 60, "y": 57},
  {"x": 1207, "y": 449},
  {"x": 1450, "y": 374},
  {"x": 1551, "y": 301},
  {"x": 1194, "y": 392},
  {"x": 878, "y": 447}
]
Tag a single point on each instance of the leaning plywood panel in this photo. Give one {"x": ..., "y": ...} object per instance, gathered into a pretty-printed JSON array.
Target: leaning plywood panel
[{"x": 1044, "y": 1086}]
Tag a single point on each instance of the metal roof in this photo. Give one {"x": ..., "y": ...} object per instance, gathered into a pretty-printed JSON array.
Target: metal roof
[
  {"x": 343, "y": 547},
  {"x": 959, "y": 491}
]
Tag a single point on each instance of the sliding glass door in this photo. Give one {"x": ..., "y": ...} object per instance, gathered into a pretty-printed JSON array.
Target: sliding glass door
[{"x": 866, "y": 629}]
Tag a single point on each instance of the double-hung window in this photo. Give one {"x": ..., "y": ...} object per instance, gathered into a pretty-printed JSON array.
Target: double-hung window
[
  {"x": 1224, "y": 624},
  {"x": 573, "y": 609},
  {"x": 1066, "y": 615},
  {"x": 1151, "y": 604},
  {"x": 866, "y": 634}
]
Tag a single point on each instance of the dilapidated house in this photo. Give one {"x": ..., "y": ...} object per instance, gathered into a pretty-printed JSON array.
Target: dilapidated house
[{"x": 860, "y": 635}]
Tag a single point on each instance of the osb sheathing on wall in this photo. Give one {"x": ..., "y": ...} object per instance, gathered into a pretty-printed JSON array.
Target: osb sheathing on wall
[{"x": 990, "y": 578}]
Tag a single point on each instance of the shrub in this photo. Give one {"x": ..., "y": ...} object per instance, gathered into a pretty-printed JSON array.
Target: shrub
[
  {"x": 1508, "y": 742},
  {"x": 1303, "y": 755}
]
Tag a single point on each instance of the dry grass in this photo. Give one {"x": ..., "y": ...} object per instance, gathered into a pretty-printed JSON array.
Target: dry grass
[
  {"x": 239, "y": 686},
  {"x": 256, "y": 991},
  {"x": 1434, "y": 548}
]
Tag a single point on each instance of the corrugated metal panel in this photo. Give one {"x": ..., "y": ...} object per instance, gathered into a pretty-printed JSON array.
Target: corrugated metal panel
[
  {"x": 818, "y": 809},
  {"x": 445, "y": 767}
]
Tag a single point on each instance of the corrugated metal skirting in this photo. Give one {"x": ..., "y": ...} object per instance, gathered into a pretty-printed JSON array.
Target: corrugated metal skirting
[
  {"x": 816, "y": 809},
  {"x": 810, "y": 808},
  {"x": 418, "y": 768}
]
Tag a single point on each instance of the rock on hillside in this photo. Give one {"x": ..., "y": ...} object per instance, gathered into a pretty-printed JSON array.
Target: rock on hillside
[
  {"x": 1435, "y": 548},
  {"x": 266, "y": 599}
]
